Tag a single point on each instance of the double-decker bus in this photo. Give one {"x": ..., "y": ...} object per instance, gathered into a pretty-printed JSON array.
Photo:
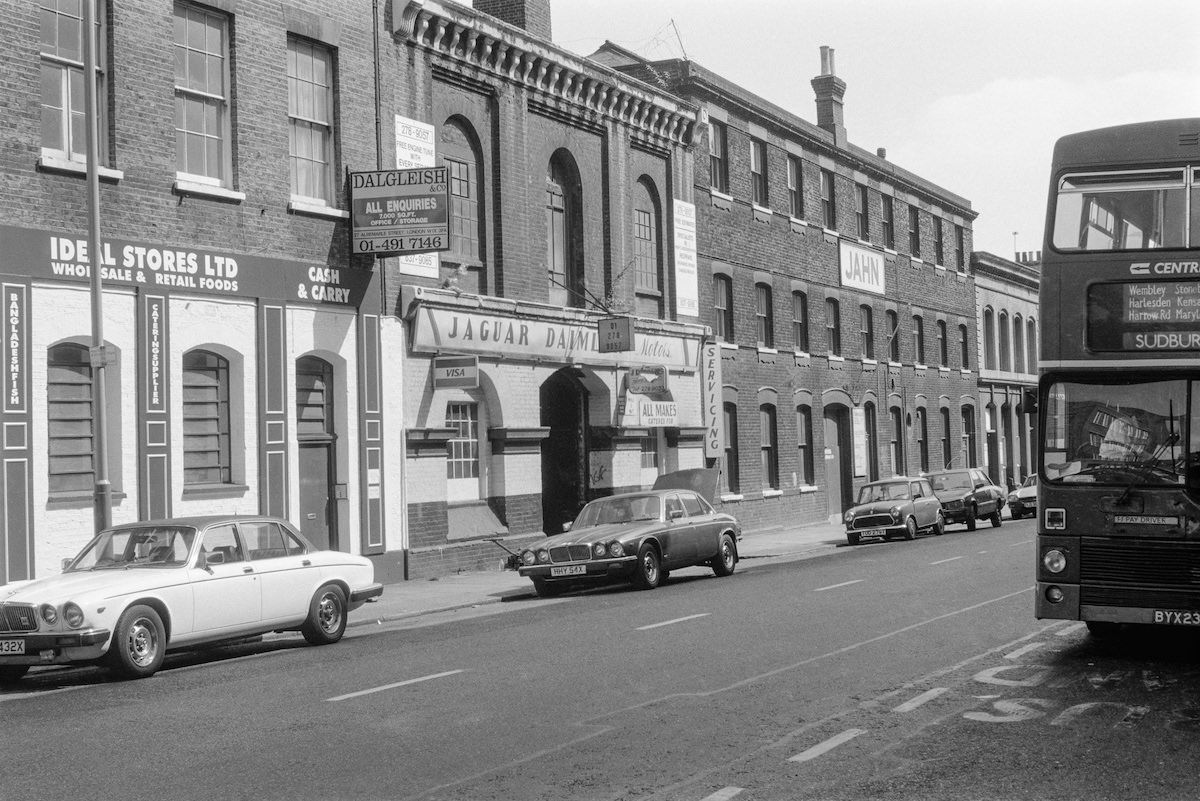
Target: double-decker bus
[{"x": 1119, "y": 379}]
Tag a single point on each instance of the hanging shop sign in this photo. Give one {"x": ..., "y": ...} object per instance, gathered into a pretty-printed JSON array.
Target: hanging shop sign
[
  {"x": 400, "y": 211},
  {"x": 616, "y": 334},
  {"x": 179, "y": 268},
  {"x": 714, "y": 410}
]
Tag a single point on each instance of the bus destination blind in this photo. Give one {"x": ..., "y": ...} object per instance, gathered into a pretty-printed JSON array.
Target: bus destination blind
[{"x": 1145, "y": 316}]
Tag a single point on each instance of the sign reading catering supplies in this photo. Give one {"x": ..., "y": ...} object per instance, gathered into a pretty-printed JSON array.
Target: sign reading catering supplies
[{"x": 400, "y": 211}]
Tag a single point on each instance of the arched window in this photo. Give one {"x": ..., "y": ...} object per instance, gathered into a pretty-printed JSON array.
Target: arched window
[
  {"x": 69, "y": 419},
  {"x": 989, "y": 339},
  {"x": 919, "y": 339},
  {"x": 460, "y": 155},
  {"x": 647, "y": 251},
  {"x": 833, "y": 326},
  {"x": 804, "y": 442},
  {"x": 1031, "y": 344},
  {"x": 893, "y": 335},
  {"x": 922, "y": 439},
  {"x": 969, "y": 446},
  {"x": 943, "y": 344},
  {"x": 872, "y": 436},
  {"x": 897, "y": 417},
  {"x": 1018, "y": 344},
  {"x": 564, "y": 257},
  {"x": 769, "y": 447},
  {"x": 764, "y": 316},
  {"x": 730, "y": 422},
  {"x": 964, "y": 347},
  {"x": 1005, "y": 337},
  {"x": 723, "y": 306},
  {"x": 947, "y": 451},
  {"x": 206, "y": 443}
]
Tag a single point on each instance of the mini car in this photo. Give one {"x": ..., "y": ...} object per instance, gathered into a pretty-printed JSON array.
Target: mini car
[
  {"x": 967, "y": 495},
  {"x": 634, "y": 536},
  {"x": 897, "y": 506},
  {"x": 1023, "y": 500},
  {"x": 139, "y": 590}
]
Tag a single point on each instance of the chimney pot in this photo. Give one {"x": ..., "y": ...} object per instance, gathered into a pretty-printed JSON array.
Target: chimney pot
[{"x": 881, "y": 152}]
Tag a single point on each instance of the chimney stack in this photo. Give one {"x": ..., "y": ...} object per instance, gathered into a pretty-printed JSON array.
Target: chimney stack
[
  {"x": 829, "y": 90},
  {"x": 532, "y": 16}
]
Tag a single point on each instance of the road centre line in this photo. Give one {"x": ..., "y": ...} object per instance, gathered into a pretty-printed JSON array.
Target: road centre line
[
  {"x": 913, "y": 703},
  {"x": 672, "y": 622},
  {"x": 835, "y": 586},
  {"x": 393, "y": 686},
  {"x": 828, "y": 745},
  {"x": 944, "y": 561}
]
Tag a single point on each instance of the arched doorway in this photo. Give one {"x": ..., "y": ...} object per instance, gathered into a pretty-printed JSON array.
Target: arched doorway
[
  {"x": 839, "y": 461},
  {"x": 564, "y": 450},
  {"x": 316, "y": 436}
]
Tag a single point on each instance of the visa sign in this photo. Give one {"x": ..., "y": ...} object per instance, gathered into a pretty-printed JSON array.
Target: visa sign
[{"x": 456, "y": 371}]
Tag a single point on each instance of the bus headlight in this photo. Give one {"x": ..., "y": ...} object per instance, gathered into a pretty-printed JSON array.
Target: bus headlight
[
  {"x": 1054, "y": 594},
  {"x": 1054, "y": 561}
]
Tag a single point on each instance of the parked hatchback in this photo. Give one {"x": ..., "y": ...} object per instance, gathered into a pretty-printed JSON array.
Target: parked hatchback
[
  {"x": 897, "y": 506},
  {"x": 968, "y": 495}
]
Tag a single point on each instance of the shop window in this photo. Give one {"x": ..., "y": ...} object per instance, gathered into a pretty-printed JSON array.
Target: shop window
[
  {"x": 314, "y": 399},
  {"x": 310, "y": 121},
  {"x": 202, "y": 103},
  {"x": 69, "y": 419},
  {"x": 206, "y": 440},
  {"x": 462, "y": 451},
  {"x": 64, "y": 126}
]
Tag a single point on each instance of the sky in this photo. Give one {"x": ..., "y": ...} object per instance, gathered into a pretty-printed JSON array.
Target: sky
[{"x": 968, "y": 94}]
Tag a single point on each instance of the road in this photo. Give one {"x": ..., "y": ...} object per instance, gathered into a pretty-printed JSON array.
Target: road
[{"x": 901, "y": 670}]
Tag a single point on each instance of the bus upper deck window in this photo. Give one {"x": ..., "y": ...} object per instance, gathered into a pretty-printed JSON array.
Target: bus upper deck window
[{"x": 1136, "y": 210}]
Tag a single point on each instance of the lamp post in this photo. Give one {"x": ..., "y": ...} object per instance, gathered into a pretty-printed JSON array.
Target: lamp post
[{"x": 100, "y": 357}]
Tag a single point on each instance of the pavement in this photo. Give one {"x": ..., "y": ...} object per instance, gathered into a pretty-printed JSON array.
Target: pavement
[{"x": 415, "y": 597}]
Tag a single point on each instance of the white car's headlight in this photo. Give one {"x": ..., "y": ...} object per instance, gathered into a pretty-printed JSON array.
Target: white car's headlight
[
  {"x": 598, "y": 550},
  {"x": 73, "y": 615},
  {"x": 527, "y": 558},
  {"x": 543, "y": 555},
  {"x": 616, "y": 549},
  {"x": 49, "y": 614}
]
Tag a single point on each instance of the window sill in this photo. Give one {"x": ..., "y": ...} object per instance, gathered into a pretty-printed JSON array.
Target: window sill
[
  {"x": 187, "y": 188},
  {"x": 731, "y": 497},
  {"x": 772, "y": 493},
  {"x": 720, "y": 200},
  {"x": 807, "y": 488},
  {"x": 215, "y": 491},
  {"x": 729, "y": 345},
  {"x": 74, "y": 498},
  {"x": 313, "y": 208},
  {"x": 79, "y": 168}
]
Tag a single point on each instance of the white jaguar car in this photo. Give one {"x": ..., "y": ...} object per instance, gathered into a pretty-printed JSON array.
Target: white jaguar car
[{"x": 138, "y": 590}]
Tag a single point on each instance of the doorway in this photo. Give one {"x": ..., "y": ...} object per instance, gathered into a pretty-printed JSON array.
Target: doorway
[
  {"x": 839, "y": 478},
  {"x": 317, "y": 439},
  {"x": 564, "y": 450}
]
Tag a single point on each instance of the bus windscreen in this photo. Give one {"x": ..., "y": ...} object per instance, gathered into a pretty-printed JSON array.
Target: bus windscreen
[{"x": 1140, "y": 210}]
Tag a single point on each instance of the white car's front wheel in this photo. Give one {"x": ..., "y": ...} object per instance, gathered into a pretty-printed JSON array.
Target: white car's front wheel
[{"x": 139, "y": 643}]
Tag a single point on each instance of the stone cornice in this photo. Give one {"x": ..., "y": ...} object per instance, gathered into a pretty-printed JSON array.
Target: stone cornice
[{"x": 508, "y": 53}]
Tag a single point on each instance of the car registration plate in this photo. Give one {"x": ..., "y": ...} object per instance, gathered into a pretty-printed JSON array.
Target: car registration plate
[
  {"x": 874, "y": 532},
  {"x": 1176, "y": 617},
  {"x": 10, "y": 647},
  {"x": 569, "y": 570}
]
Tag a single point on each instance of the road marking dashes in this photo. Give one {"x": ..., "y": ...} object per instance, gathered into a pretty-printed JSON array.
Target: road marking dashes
[
  {"x": 828, "y": 745},
  {"x": 1020, "y": 652},
  {"x": 672, "y": 622},
  {"x": 724, "y": 794},
  {"x": 835, "y": 586},
  {"x": 928, "y": 695},
  {"x": 944, "y": 561},
  {"x": 394, "y": 686}
]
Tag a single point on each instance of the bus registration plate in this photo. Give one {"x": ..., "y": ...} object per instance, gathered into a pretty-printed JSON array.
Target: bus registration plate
[{"x": 1175, "y": 617}]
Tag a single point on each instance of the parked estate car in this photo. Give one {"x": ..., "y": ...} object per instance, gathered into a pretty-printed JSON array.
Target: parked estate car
[
  {"x": 138, "y": 590},
  {"x": 967, "y": 495},
  {"x": 897, "y": 506},
  {"x": 1023, "y": 500},
  {"x": 637, "y": 536}
]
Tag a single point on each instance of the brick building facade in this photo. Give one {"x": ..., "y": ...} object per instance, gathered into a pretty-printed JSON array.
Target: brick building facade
[
  {"x": 568, "y": 180},
  {"x": 243, "y": 366},
  {"x": 840, "y": 288}
]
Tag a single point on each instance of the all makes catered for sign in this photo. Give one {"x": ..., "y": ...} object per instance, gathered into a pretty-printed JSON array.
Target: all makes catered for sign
[{"x": 400, "y": 211}]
